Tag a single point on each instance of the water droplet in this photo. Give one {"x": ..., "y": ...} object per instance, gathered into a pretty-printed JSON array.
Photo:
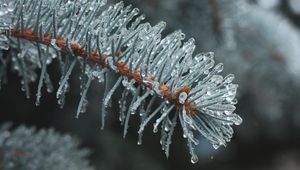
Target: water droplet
[
  {"x": 53, "y": 42},
  {"x": 219, "y": 67},
  {"x": 139, "y": 142},
  {"x": 238, "y": 120},
  {"x": 155, "y": 130},
  {"x": 229, "y": 78},
  {"x": 216, "y": 146},
  {"x": 194, "y": 159},
  {"x": 228, "y": 112},
  {"x": 182, "y": 97}
]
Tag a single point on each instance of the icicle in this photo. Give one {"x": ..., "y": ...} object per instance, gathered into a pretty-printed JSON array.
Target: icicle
[
  {"x": 140, "y": 139},
  {"x": 137, "y": 103},
  {"x": 128, "y": 113},
  {"x": 142, "y": 111},
  {"x": 122, "y": 104},
  {"x": 165, "y": 113},
  {"x": 42, "y": 77},
  {"x": 143, "y": 114},
  {"x": 62, "y": 64},
  {"x": 103, "y": 110},
  {"x": 63, "y": 85},
  {"x": 25, "y": 81},
  {"x": 61, "y": 99},
  {"x": 111, "y": 92},
  {"x": 169, "y": 138},
  {"x": 49, "y": 85},
  {"x": 163, "y": 135},
  {"x": 194, "y": 158},
  {"x": 190, "y": 139},
  {"x": 142, "y": 126},
  {"x": 187, "y": 133},
  {"x": 140, "y": 135},
  {"x": 83, "y": 101}
]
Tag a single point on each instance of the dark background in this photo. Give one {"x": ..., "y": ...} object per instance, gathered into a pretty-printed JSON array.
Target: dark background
[{"x": 269, "y": 102}]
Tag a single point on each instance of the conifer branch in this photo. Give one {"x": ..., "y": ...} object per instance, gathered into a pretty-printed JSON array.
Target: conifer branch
[{"x": 113, "y": 42}]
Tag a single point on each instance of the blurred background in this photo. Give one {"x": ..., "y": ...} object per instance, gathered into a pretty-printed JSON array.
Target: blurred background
[{"x": 257, "y": 40}]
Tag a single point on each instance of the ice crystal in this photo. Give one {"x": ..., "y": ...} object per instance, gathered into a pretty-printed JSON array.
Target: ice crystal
[{"x": 113, "y": 41}]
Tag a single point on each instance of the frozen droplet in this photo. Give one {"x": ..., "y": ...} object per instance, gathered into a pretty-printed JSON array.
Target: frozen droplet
[
  {"x": 84, "y": 106},
  {"x": 107, "y": 98},
  {"x": 230, "y": 98},
  {"x": 216, "y": 146},
  {"x": 182, "y": 97},
  {"x": 219, "y": 67},
  {"x": 167, "y": 128},
  {"x": 37, "y": 102},
  {"x": 53, "y": 42},
  {"x": 238, "y": 120},
  {"x": 125, "y": 81},
  {"x": 228, "y": 112},
  {"x": 229, "y": 78},
  {"x": 209, "y": 92},
  {"x": 194, "y": 159},
  {"x": 155, "y": 130},
  {"x": 140, "y": 142},
  {"x": 232, "y": 101}
]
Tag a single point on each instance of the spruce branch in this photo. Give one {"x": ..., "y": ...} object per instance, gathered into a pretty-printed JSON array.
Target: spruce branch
[{"x": 112, "y": 42}]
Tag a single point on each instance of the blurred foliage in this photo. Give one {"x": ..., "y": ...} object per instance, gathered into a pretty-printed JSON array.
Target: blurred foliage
[{"x": 27, "y": 149}]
